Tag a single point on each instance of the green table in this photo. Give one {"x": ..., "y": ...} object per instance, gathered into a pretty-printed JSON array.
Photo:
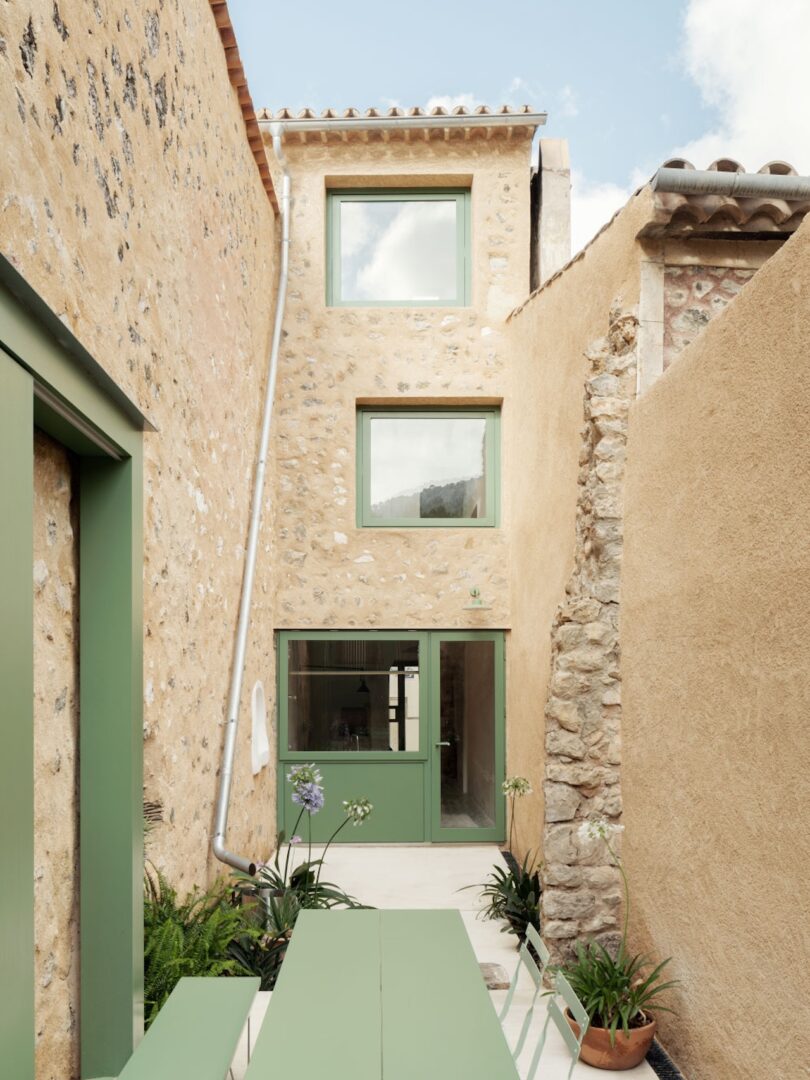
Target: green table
[{"x": 381, "y": 995}]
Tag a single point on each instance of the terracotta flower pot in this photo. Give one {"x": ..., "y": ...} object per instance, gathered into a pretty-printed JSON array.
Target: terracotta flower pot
[{"x": 627, "y": 1051}]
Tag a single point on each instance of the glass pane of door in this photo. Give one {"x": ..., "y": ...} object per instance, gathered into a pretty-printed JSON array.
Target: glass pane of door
[
  {"x": 353, "y": 696},
  {"x": 467, "y": 738}
]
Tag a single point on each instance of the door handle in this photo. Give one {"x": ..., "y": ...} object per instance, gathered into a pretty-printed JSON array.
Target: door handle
[{"x": 438, "y": 744}]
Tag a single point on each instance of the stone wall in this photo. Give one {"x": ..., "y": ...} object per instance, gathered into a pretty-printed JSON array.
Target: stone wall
[
  {"x": 583, "y": 739},
  {"x": 693, "y": 296},
  {"x": 715, "y": 661},
  {"x": 56, "y": 720},
  {"x": 332, "y": 573},
  {"x": 550, "y": 334},
  {"x": 131, "y": 202}
]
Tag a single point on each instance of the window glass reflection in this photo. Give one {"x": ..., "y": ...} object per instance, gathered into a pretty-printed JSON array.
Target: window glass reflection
[
  {"x": 428, "y": 467},
  {"x": 399, "y": 250}
]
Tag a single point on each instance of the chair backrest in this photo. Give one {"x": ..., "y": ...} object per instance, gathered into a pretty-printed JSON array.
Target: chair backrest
[
  {"x": 536, "y": 971},
  {"x": 562, "y": 989}
]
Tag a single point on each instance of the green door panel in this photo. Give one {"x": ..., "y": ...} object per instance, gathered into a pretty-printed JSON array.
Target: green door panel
[
  {"x": 396, "y": 791},
  {"x": 430, "y": 793},
  {"x": 17, "y": 760}
]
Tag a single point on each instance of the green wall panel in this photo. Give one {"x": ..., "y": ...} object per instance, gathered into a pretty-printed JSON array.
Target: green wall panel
[
  {"x": 17, "y": 711},
  {"x": 396, "y": 790},
  {"x": 111, "y": 750}
]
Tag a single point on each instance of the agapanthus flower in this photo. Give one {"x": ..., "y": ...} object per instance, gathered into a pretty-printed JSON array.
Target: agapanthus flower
[
  {"x": 357, "y": 810},
  {"x": 304, "y": 774},
  {"x": 516, "y": 787},
  {"x": 295, "y": 839},
  {"x": 598, "y": 828},
  {"x": 309, "y": 795}
]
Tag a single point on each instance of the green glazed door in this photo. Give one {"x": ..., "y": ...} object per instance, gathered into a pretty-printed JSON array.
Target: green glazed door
[
  {"x": 370, "y": 708},
  {"x": 467, "y": 727}
]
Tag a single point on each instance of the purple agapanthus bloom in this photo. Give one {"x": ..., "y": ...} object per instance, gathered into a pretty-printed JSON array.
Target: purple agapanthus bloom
[
  {"x": 295, "y": 839},
  {"x": 309, "y": 796}
]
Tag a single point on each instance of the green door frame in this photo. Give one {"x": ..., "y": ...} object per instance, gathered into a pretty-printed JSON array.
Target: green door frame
[
  {"x": 498, "y": 831},
  {"x": 48, "y": 380},
  {"x": 429, "y": 726}
]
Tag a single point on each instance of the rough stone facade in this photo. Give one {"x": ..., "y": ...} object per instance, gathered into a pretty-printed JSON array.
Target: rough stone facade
[
  {"x": 693, "y": 296},
  {"x": 583, "y": 742},
  {"x": 131, "y": 202},
  {"x": 56, "y": 731},
  {"x": 332, "y": 573}
]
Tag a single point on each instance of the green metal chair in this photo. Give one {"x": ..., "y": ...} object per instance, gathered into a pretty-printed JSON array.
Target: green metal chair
[
  {"x": 536, "y": 972},
  {"x": 562, "y": 989}
]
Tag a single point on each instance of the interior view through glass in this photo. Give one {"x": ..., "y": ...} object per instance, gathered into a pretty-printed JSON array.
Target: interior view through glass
[
  {"x": 428, "y": 467},
  {"x": 353, "y": 695},
  {"x": 467, "y": 701}
]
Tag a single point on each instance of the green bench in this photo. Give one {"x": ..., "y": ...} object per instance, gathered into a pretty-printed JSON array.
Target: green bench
[{"x": 195, "y": 1033}]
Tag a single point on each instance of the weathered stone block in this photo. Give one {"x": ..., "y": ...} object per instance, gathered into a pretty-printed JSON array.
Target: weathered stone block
[
  {"x": 560, "y": 874},
  {"x": 561, "y": 801},
  {"x": 565, "y": 743},
  {"x": 560, "y": 930},
  {"x": 566, "y": 903}
]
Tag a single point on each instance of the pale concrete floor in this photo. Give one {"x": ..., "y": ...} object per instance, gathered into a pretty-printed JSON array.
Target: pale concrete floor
[{"x": 420, "y": 876}]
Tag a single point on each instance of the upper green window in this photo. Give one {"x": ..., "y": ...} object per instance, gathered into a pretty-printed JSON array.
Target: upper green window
[
  {"x": 407, "y": 248},
  {"x": 427, "y": 467}
]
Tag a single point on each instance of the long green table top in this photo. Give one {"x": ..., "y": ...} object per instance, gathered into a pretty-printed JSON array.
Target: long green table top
[{"x": 381, "y": 995}]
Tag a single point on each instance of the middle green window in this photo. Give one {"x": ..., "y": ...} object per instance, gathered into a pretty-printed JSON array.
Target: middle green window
[{"x": 434, "y": 467}]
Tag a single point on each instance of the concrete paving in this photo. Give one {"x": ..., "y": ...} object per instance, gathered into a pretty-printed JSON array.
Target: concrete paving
[{"x": 435, "y": 876}]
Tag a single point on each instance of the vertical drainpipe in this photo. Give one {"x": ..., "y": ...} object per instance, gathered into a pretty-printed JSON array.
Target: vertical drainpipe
[{"x": 239, "y": 862}]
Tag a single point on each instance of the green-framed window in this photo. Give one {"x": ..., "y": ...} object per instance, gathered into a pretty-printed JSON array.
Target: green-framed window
[
  {"x": 428, "y": 467},
  {"x": 390, "y": 248},
  {"x": 362, "y": 694}
]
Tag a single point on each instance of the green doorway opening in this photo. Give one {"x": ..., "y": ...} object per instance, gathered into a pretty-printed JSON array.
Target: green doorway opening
[{"x": 412, "y": 720}]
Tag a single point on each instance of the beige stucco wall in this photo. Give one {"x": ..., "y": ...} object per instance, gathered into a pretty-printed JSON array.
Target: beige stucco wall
[
  {"x": 548, "y": 337},
  {"x": 715, "y": 659},
  {"x": 131, "y": 202},
  {"x": 56, "y": 720}
]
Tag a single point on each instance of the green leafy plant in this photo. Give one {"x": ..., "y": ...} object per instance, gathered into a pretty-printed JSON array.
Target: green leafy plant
[
  {"x": 184, "y": 937},
  {"x": 276, "y": 894},
  {"x": 513, "y": 894},
  {"x": 615, "y": 990}
]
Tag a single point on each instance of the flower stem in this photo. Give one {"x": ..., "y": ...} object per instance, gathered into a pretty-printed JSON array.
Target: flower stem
[
  {"x": 618, "y": 863},
  {"x": 342, "y": 825},
  {"x": 289, "y": 846},
  {"x": 511, "y": 822}
]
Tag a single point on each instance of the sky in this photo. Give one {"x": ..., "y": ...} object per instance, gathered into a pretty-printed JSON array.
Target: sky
[{"x": 629, "y": 83}]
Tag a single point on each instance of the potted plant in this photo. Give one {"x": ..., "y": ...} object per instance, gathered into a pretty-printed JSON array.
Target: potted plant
[{"x": 618, "y": 990}]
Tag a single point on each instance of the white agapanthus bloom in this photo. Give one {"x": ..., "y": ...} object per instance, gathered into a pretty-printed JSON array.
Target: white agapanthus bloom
[{"x": 598, "y": 828}]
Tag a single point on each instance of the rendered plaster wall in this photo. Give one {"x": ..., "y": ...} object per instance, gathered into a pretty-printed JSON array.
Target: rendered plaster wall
[
  {"x": 715, "y": 658},
  {"x": 549, "y": 337},
  {"x": 333, "y": 574},
  {"x": 56, "y": 720},
  {"x": 131, "y": 202}
]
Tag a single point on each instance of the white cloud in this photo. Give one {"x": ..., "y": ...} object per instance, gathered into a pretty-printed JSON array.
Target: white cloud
[
  {"x": 568, "y": 102},
  {"x": 592, "y": 204},
  {"x": 749, "y": 61},
  {"x": 450, "y": 101}
]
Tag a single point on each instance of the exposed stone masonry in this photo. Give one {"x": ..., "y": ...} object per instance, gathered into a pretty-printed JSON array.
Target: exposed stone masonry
[
  {"x": 583, "y": 751},
  {"x": 693, "y": 296}
]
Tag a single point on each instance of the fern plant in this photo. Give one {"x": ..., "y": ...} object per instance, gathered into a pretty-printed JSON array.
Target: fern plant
[
  {"x": 185, "y": 938},
  {"x": 513, "y": 895}
]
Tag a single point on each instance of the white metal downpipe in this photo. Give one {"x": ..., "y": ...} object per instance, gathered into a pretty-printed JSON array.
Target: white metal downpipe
[{"x": 239, "y": 862}]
